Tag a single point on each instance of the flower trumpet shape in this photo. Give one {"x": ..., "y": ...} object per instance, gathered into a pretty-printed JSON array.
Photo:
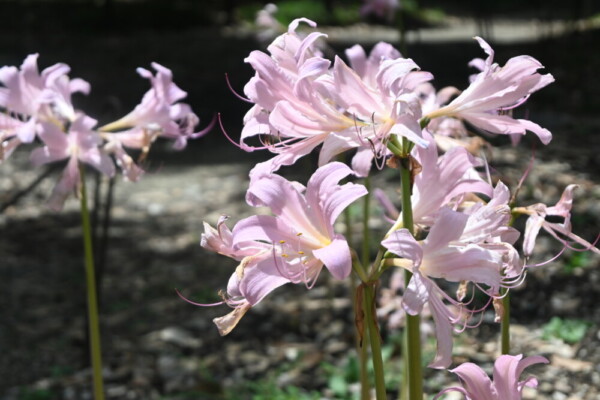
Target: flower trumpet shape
[
  {"x": 291, "y": 246},
  {"x": 79, "y": 144},
  {"x": 460, "y": 247},
  {"x": 159, "y": 114},
  {"x": 35, "y": 97},
  {"x": 496, "y": 90},
  {"x": 476, "y": 385},
  {"x": 537, "y": 220}
]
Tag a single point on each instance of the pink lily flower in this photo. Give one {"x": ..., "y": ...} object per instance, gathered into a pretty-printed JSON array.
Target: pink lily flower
[
  {"x": 476, "y": 385},
  {"x": 390, "y": 107},
  {"x": 443, "y": 180},
  {"x": 35, "y": 97},
  {"x": 158, "y": 114},
  {"x": 496, "y": 90},
  {"x": 291, "y": 246},
  {"x": 537, "y": 220},
  {"x": 307, "y": 104},
  {"x": 454, "y": 251},
  {"x": 291, "y": 102},
  {"x": 80, "y": 144}
]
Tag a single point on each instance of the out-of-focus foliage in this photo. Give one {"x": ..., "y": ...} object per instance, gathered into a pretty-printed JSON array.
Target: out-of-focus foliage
[
  {"x": 343, "y": 13},
  {"x": 568, "y": 330}
]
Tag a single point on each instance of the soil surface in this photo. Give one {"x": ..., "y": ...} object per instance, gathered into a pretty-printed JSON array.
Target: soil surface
[{"x": 156, "y": 346}]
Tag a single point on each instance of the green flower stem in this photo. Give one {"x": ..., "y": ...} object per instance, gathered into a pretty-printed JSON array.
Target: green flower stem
[
  {"x": 505, "y": 323},
  {"x": 362, "y": 349},
  {"x": 413, "y": 335},
  {"x": 92, "y": 300},
  {"x": 366, "y": 243},
  {"x": 369, "y": 302}
]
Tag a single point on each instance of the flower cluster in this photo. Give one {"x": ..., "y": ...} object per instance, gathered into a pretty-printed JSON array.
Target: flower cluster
[
  {"x": 385, "y": 109},
  {"x": 38, "y": 106}
]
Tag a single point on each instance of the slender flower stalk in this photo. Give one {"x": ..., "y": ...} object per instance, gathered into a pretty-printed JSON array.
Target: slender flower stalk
[
  {"x": 92, "y": 300},
  {"x": 362, "y": 348},
  {"x": 375, "y": 339},
  {"x": 505, "y": 323},
  {"x": 412, "y": 332},
  {"x": 366, "y": 244}
]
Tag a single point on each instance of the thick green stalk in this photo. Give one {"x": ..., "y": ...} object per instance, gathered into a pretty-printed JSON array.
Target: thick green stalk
[
  {"x": 369, "y": 301},
  {"x": 505, "y": 323},
  {"x": 413, "y": 322},
  {"x": 92, "y": 300}
]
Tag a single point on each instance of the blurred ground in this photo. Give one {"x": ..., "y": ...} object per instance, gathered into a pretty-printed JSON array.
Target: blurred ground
[{"x": 156, "y": 346}]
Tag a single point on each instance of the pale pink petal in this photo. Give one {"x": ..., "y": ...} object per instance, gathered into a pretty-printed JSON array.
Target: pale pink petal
[
  {"x": 336, "y": 257},
  {"x": 464, "y": 263},
  {"x": 281, "y": 197},
  {"x": 528, "y": 361},
  {"x": 286, "y": 156},
  {"x": 357, "y": 58},
  {"x": 448, "y": 227},
  {"x": 506, "y": 379},
  {"x": 65, "y": 186},
  {"x": 508, "y": 369},
  {"x": 323, "y": 191},
  {"x": 263, "y": 227},
  {"x": 362, "y": 160},
  {"x": 476, "y": 382},
  {"x": 392, "y": 72},
  {"x": 544, "y": 134},
  {"x": 487, "y": 220},
  {"x": 352, "y": 93},
  {"x": 261, "y": 279},
  {"x": 45, "y": 155},
  {"x": 78, "y": 85},
  {"x": 98, "y": 160},
  {"x": 26, "y": 131},
  {"x": 443, "y": 332},
  {"x": 564, "y": 205},
  {"x": 333, "y": 145},
  {"x": 402, "y": 243},
  {"x": 418, "y": 292},
  {"x": 532, "y": 228}
]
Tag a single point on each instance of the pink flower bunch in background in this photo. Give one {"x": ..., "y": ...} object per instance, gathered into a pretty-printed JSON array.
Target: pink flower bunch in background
[
  {"x": 455, "y": 226},
  {"x": 38, "y": 106}
]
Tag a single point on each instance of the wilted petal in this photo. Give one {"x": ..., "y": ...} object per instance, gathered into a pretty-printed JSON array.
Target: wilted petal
[{"x": 226, "y": 323}]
